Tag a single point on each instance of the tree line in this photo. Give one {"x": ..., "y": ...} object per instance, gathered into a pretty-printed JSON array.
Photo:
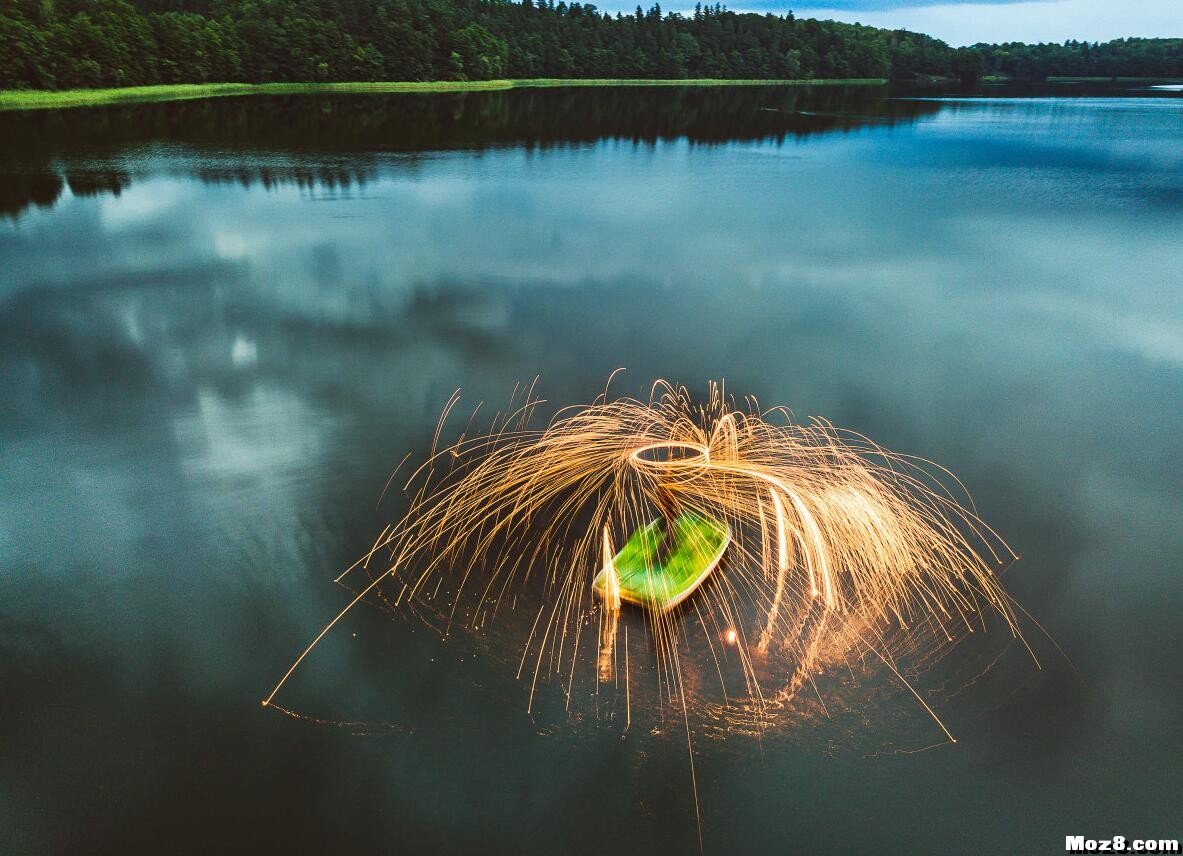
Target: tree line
[
  {"x": 1119, "y": 58},
  {"x": 294, "y": 143},
  {"x": 58, "y": 44}
]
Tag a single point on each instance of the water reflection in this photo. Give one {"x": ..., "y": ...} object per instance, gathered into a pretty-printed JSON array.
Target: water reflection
[
  {"x": 336, "y": 143},
  {"x": 208, "y": 377}
]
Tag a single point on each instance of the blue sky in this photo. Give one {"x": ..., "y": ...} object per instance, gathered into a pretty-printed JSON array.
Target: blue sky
[{"x": 961, "y": 23}]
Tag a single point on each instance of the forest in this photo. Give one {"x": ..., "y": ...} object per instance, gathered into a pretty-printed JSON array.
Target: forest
[{"x": 62, "y": 44}]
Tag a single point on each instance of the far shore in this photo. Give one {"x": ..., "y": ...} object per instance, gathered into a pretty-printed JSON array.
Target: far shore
[
  {"x": 33, "y": 99},
  {"x": 39, "y": 99}
]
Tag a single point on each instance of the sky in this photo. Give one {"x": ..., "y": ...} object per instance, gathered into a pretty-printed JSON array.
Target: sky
[{"x": 964, "y": 23}]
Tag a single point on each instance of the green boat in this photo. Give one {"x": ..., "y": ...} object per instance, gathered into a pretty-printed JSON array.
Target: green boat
[{"x": 648, "y": 578}]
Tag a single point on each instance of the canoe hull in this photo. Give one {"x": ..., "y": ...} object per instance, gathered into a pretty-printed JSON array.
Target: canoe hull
[{"x": 646, "y": 579}]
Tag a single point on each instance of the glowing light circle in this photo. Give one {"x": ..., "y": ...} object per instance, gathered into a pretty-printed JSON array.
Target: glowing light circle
[{"x": 675, "y": 457}]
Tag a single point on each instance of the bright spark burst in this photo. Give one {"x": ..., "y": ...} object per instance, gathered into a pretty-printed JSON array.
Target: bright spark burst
[{"x": 841, "y": 550}]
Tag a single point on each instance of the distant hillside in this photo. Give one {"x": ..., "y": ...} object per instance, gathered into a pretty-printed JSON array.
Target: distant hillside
[
  {"x": 1118, "y": 58},
  {"x": 93, "y": 43}
]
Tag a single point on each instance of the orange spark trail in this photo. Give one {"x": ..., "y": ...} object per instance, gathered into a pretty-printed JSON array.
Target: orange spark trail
[{"x": 839, "y": 549}]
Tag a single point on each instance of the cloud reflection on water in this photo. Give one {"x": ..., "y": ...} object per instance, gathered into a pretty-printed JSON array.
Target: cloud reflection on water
[{"x": 208, "y": 381}]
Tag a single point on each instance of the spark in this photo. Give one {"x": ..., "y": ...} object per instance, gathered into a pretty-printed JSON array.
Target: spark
[{"x": 839, "y": 549}]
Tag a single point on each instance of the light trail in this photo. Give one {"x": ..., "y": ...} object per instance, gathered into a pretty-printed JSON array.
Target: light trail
[{"x": 839, "y": 548}]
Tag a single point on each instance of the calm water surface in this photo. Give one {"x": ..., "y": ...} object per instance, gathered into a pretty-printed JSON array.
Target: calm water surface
[{"x": 223, "y": 322}]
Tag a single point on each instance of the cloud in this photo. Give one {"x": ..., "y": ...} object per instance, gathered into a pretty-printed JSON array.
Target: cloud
[
  {"x": 966, "y": 23},
  {"x": 888, "y": 5}
]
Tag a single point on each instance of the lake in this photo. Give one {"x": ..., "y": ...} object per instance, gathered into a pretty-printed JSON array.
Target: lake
[{"x": 224, "y": 322}]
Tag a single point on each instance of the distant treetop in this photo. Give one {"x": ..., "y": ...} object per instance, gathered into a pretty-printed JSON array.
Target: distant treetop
[{"x": 91, "y": 43}]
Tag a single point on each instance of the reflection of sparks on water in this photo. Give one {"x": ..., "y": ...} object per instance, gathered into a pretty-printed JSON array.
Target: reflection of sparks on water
[{"x": 841, "y": 552}]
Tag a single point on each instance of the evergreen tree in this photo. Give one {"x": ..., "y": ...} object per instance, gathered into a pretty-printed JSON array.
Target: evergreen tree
[{"x": 115, "y": 43}]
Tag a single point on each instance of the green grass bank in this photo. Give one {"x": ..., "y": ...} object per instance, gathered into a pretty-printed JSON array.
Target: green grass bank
[{"x": 34, "y": 99}]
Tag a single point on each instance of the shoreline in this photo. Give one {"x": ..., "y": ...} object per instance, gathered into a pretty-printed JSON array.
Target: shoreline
[{"x": 42, "y": 99}]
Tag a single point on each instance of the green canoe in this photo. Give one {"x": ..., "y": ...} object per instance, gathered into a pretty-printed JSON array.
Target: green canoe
[{"x": 699, "y": 543}]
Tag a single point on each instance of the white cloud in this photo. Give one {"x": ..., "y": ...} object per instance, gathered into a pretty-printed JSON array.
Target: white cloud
[{"x": 1038, "y": 21}]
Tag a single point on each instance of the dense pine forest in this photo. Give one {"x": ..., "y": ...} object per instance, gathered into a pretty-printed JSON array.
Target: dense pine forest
[{"x": 58, "y": 44}]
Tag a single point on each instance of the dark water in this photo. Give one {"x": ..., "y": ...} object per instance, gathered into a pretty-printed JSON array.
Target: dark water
[{"x": 223, "y": 322}]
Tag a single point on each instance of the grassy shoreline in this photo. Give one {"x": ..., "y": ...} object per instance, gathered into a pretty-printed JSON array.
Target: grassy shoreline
[
  {"x": 35, "y": 99},
  {"x": 1120, "y": 79}
]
